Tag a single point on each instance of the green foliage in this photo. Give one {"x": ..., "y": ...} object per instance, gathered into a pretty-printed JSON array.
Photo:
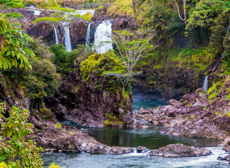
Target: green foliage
[
  {"x": 122, "y": 7},
  {"x": 100, "y": 63},
  {"x": 49, "y": 19},
  {"x": 13, "y": 42},
  {"x": 42, "y": 80},
  {"x": 12, "y": 3},
  {"x": 125, "y": 94},
  {"x": 15, "y": 150},
  {"x": 14, "y": 15},
  {"x": 211, "y": 89},
  {"x": 63, "y": 59},
  {"x": 228, "y": 96},
  {"x": 157, "y": 67},
  {"x": 212, "y": 96}
]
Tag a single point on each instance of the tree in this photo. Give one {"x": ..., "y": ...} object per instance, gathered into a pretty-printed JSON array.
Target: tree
[
  {"x": 131, "y": 47},
  {"x": 184, "y": 10},
  {"x": 14, "y": 149},
  {"x": 13, "y": 42}
]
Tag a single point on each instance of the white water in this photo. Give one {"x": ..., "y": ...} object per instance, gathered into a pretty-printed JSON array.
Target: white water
[
  {"x": 202, "y": 161},
  {"x": 37, "y": 12},
  {"x": 56, "y": 35},
  {"x": 205, "y": 87},
  {"x": 102, "y": 37},
  {"x": 67, "y": 39},
  {"x": 87, "y": 43}
]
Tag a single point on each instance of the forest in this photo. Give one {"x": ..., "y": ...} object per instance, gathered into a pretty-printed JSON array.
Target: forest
[{"x": 106, "y": 83}]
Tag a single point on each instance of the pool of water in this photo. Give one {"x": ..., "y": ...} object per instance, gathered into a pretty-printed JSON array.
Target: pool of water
[{"x": 151, "y": 138}]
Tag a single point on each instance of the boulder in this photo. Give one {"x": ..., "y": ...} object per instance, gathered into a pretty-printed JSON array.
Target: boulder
[
  {"x": 180, "y": 150},
  {"x": 171, "y": 111},
  {"x": 174, "y": 103}
]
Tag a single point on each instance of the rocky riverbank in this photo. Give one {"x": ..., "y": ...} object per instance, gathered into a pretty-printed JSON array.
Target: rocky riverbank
[{"x": 194, "y": 115}]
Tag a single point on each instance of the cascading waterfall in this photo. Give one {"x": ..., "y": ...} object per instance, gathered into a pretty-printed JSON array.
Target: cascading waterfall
[
  {"x": 205, "y": 87},
  {"x": 56, "y": 35},
  {"x": 68, "y": 44},
  {"x": 37, "y": 12},
  {"x": 102, "y": 37},
  {"x": 87, "y": 43}
]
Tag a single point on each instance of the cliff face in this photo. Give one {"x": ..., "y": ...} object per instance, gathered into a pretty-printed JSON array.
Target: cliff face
[{"x": 170, "y": 82}]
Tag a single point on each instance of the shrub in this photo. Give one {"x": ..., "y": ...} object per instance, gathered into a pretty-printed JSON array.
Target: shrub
[
  {"x": 14, "y": 149},
  {"x": 63, "y": 59}
]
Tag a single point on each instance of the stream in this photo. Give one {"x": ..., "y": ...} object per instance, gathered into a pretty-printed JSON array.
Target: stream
[{"x": 150, "y": 138}]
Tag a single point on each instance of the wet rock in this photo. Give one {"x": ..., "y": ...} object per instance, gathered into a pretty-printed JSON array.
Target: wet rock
[
  {"x": 226, "y": 158},
  {"x": 180, "y": 150},
  {"x": 140, "y": 149}
]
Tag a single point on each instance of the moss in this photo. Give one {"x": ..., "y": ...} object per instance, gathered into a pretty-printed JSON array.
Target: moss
[
  {"x": 107, "y": 122},
  {"x": 211, "y": 89},
  {"x": 212, "y": 96},
  {"x": 49, "y": 19},
  {"x": 228, "y": 114},
  {"x": 228, "y": 96}
]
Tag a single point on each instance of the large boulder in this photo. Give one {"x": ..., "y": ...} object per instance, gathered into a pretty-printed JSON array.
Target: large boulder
[{"x": 180, "y": 150}]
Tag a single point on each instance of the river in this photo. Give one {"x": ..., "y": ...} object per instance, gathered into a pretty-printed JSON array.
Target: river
[{"x": 150, "y": 138}]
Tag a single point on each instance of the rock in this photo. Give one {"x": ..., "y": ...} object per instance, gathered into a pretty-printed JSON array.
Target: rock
[
  {"x": 226, "y": 158},
  {"x": 140, "y": 149},
  {"x": 199, "y": 104},
  {"x": 174, "y": 103},
  {"x": 227, "y": 84},
  {"x": 171, "y": 111},
  {"x": 156, "y": 111},
  {"x": 180, "y": 150},
  {"x": 177, "y": 122}
]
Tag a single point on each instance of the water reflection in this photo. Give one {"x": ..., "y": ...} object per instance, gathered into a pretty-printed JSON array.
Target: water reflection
[{"x": 150, "y": 138}]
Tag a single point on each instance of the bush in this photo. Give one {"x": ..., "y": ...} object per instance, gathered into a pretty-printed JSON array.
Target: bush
[
  {"x": 12, "y": 3},
  {"x": 14, "y": 149},
  {"x": 63, "y": 59}
]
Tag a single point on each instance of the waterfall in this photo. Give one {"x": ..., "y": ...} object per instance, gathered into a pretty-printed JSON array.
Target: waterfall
[
  {"x": 56, "y": 35},
  {"x": 205, "y": 87},
  {"x": 102, "y": 37},
  {"x": 67, "y": 39},
  {"x": 87, "y": 43}
]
